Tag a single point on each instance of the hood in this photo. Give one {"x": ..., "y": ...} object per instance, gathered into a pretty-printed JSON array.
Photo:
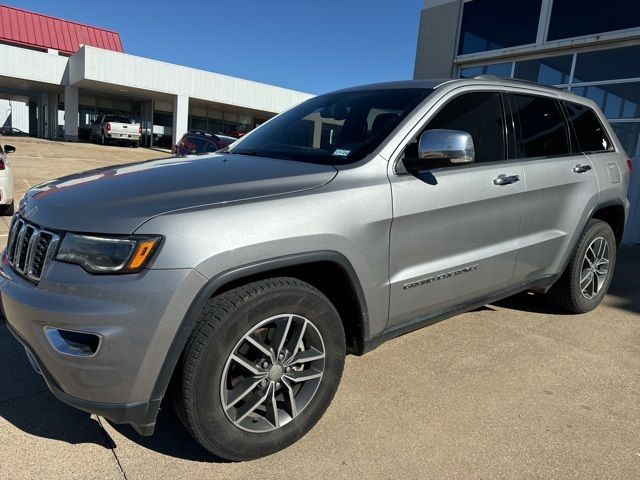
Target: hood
[{"x": 119, "y": 199}]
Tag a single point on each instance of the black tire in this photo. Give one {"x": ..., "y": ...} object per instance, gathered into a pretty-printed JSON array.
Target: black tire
[
  {"x": 7, "y": 210},
  {"x": 222, "y": 324},
  {"x": 567, "y": 291},
  {"x": 135, "y": 144}
]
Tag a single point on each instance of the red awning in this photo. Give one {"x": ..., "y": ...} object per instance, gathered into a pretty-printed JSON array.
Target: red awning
[{"x": 41, "y": 31}]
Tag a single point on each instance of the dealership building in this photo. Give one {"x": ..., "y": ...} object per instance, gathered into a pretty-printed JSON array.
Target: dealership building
[
  {"x": 589, "y": 47},
  {"x": 56, "y": 76}
]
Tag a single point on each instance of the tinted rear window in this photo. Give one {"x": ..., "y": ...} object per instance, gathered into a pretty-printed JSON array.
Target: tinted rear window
[
  {"x": 590, "y": 134},
  {"x": 540, "y": 127},
  {"x": 192, "y": 145},
  {"x": 117, "y": 119}
]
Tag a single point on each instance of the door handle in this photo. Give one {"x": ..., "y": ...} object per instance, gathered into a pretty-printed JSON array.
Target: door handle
[
  {"x": 581, "y": 168},
  {"x": 506, "y": 179}
]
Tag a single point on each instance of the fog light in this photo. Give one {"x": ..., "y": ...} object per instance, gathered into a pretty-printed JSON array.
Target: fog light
[{"x": 77, "y": 344}]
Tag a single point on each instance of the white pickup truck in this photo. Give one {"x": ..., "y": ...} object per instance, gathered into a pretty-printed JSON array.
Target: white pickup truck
[{"x": 115, "y": 128}]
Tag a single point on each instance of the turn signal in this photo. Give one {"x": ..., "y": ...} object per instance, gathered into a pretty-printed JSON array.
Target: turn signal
[
  {"x": 629, "y": 164},
  {"x": 141, "y": 254}
]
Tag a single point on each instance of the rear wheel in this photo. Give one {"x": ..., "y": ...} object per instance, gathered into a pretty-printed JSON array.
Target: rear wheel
[
  {"x": 586, "y": 279},
  {"x": 260, "y": 368}
]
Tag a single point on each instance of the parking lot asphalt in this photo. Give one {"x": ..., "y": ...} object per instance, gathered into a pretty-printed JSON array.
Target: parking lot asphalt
[{"x": 515, "y": 389}]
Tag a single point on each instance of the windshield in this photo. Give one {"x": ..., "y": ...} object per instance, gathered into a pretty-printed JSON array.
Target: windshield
[{"x": 337, "y": 128}]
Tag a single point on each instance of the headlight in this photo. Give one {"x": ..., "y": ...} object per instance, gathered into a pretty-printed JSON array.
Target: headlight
[{"x": 107, "y": 254}]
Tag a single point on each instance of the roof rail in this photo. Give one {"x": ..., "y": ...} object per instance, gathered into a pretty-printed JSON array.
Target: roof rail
[{"x": 514, "y": 80}]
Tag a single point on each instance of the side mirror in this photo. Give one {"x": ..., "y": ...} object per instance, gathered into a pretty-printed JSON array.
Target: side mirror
[
  {"x": 9, "y": 149},
  {"x": 442, "y": 148}
]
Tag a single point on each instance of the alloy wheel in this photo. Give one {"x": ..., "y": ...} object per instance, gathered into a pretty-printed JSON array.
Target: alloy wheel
[
  {"x": 272, "y": 373},
  {"x": 595, "y": 268}
]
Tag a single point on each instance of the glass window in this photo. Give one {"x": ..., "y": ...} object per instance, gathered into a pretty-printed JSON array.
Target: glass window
[
  {"x": 198, "y": 123},
  {"x": 494, "y": 24},
  {"x": 497, "y": 69},
  {"x": 360, "y": 120},
  {"x": 192, "y": 145},
  {"x": 471, "y": 72},
  {"x": 590, "y": 134},
  {"x": 575, "y": 18},
  {"x": 629, "y": 133},
  {"x": 117, "y": 119},
  {"x": 607, "y": 64},
  {"x": 547, "y": 71},
  {"x": 540, "y": 127},
  {"x": 619, "y": 100},
  {"x": 480, "y": 115}
]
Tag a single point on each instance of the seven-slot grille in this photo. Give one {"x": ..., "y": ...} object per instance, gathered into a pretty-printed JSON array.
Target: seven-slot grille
[{"x": 30, "y": 248}]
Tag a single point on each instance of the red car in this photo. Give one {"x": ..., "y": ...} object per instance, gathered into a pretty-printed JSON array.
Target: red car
[{"x": 200, "y": 143}]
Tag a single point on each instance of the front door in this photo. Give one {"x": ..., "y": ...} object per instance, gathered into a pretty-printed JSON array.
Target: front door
[{"x": 454, "y": 236}]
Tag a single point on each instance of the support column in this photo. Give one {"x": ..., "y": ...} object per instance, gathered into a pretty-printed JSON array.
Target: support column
[
  {"x": 33, "y": 118},
  {"x": 52, "y": 120},
  {"x": 42, "y": 115},
  {"x": 180, "y": 117},
  {"x": 70, "y": 113}
]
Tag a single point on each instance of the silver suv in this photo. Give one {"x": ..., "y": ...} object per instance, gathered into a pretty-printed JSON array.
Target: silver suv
[{"x": 237, "y": 282}]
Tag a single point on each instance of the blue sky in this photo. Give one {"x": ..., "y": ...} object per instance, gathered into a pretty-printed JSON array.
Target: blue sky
[{"x": 309, "y": 45}]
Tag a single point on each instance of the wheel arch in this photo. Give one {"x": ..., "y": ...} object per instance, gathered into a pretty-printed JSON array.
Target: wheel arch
[
  {"x": 612, "y": 213},
  {"x": 305, "y": 266},
  {"x": 601, "y": 211}
]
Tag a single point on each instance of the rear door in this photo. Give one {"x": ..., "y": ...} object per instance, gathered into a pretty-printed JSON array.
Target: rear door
[
  {"x": 454, "y": 236},
  {"x": 560, "y": 184}
]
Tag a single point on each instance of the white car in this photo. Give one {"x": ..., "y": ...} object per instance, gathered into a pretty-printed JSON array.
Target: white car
[{"x": 6, "y": 181}]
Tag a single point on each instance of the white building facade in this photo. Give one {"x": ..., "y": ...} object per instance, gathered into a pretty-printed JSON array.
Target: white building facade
[{"x": 55, "y": 96}]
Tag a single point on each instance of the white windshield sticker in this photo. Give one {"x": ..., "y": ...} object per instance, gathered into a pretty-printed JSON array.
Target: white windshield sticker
[{"x": 341, "y": 153}]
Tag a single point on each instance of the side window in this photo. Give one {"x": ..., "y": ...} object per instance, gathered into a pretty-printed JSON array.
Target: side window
[
  {"x": 193, "y": 145},
  {"x": 480, "y": 115},
  {"x": 210, "y": 147},
  {"x": 540, "y": 127},
  {"x": 590, "y": 134}
]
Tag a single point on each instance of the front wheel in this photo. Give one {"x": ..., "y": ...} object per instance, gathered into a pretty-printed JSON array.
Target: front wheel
[
  {"x": 260, "y": 368},
  {"x": 588, "y": 275}
]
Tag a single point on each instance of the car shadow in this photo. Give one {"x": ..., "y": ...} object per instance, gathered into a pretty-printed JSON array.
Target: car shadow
[
  {"x": 27, "y": 404},
  {"x": 170, "y": 438},
  {"x": 624, "y": 291}
]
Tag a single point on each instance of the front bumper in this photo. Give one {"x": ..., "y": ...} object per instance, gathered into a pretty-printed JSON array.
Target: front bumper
[{"x": 137, "y": 317}]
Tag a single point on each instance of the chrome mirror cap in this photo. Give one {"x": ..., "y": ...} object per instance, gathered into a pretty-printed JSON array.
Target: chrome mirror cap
[{"x": 453, "y": 146}]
